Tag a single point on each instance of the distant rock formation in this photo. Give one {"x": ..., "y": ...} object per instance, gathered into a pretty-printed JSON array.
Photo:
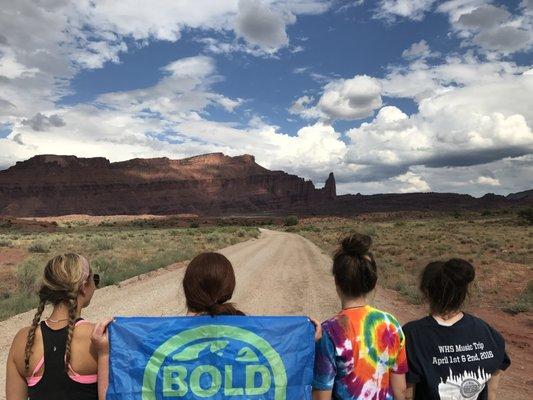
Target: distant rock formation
[
  {"x": 525, "y": 195},
  {"x": 207, "y": 184}
]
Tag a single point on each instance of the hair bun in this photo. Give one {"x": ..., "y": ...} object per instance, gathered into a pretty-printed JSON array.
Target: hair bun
[
  {"x": 356, "y": 244},
  {"x": 460, "y": 271}
]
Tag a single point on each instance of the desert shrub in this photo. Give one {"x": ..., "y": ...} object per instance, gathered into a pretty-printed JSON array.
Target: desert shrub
[
  {"x": 370, "y": 230},
  {"x": 409, "y": 291},
  {"x": 28, "y": 274},
  {"x": 6, "y": 243},
  {"x": 5, "y": 223},
  {"x": 16, "y": 303},
  {"x": 526, "y": 215},
  {"x": 113, "y": 271},
  {"x": 291, "y": 220},
  {"x": 102, "y": 243},
  {"x": 107, "y": 268},
  {"x": 311, "y": 228},
  {"x": 523, "y": 303},
  {"x": 213, "y": 237},
  {"x": 107, "y": 223},
  {"x": 517, "y": 307},
  {"x": 194, "y": 224},
  {"x": 39, "y": 246}
]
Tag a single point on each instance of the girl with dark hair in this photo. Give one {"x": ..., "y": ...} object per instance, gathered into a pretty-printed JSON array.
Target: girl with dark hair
[
  {"x": 54, "y": 358},
  {"x": 208, "y": 285},
  {"x": 452, "y": 354},
  {"x": 361, "y": 354}
]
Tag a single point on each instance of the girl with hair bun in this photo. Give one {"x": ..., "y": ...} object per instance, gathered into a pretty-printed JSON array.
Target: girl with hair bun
[
  {"x": 452, "y": 355},
  {"x": 361, "y": 354},
  {"x": 53, "y": 358}
]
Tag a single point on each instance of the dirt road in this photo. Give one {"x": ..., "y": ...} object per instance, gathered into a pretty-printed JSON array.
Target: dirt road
[{"x": 277, "y": 274}]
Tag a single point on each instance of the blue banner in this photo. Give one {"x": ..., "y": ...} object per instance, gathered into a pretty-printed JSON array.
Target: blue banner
[{"x": 203, "y": 357}]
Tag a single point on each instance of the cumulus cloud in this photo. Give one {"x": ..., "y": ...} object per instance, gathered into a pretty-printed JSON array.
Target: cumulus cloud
[
  {"x": 485, "y": 16},
  {"x": 421, "y": 80},
  {"x": 342, "y": 99},
  {"x": 493, "y": 29},
  {"x": 18, "y": 139},
  {"x": 410, "y": 9},
  {"x": 302, "y": 107},
  {"x": 486, "y": 180},
  {"x": 504, "y": 39},
  {"x": 10, "y": 68},
  {"x": 261, "y": 26},
  {"x": 460, "y": 127},
  {"x": 418, "y": 50},
  {"x": 350, "y": 99},
  {"x": 412, "y": 183},
  {"x": 40, "y": 122}
]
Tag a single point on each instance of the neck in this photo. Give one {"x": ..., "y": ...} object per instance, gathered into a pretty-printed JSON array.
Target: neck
[
  {"x": 60, "y": 312},
  {"x": 353, "y": 303},
  {"x": 449, "y": 317}
]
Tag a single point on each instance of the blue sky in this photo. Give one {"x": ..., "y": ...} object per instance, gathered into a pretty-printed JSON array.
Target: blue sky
[{"x": 390, "y": 95}]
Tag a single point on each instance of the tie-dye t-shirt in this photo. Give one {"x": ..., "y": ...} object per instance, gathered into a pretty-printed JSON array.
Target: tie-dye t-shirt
[{"x": 359, "y": 349}]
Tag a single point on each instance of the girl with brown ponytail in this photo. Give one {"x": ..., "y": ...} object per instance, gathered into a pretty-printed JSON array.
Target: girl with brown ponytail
[
  {"x": 54, "y": 358},
  {"x": 208, "y": 285}
]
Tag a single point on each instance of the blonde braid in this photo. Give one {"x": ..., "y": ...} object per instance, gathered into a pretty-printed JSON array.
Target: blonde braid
[
  {"x": 72, "y": 314},
  {"x": 31, "y": 334}
]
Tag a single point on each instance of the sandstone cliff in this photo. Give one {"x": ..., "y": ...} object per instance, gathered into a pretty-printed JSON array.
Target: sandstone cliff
[{"x": 207, "y": 184}]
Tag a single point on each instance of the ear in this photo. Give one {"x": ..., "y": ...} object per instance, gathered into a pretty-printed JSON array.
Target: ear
[{"x": 83, "y": 289}]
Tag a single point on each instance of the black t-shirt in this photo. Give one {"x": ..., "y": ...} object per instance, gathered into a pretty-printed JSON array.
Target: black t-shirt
[{"x": 453, "y": 362}]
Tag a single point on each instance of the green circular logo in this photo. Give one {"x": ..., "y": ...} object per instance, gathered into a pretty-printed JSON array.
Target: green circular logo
[{"x": 168, "y": 369}]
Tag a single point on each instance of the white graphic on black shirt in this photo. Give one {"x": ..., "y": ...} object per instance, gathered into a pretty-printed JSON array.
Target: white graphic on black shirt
[{"x": 461, "y": 387}]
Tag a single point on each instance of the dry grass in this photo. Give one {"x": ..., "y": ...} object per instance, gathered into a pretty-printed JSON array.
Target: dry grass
[
  {"x": 499, "y": 247},
  {"x": 116, "y": 254}
]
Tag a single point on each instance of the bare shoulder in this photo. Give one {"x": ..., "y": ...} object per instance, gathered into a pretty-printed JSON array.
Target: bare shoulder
[
  {"x": 21, "y": 336},
  {"x": 19, "y": 343},
  {"x": 84, "y": 329}
]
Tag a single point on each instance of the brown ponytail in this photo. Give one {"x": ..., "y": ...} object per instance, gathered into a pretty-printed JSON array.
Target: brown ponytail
[{"x": 208, "y": 284}]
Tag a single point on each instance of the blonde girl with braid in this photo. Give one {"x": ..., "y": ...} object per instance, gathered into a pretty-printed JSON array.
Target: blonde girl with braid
[{"x": 54, "y": 358}]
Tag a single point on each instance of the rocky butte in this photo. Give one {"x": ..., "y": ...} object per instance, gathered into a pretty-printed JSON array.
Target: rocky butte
[{"x": 210, "y": 184}]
